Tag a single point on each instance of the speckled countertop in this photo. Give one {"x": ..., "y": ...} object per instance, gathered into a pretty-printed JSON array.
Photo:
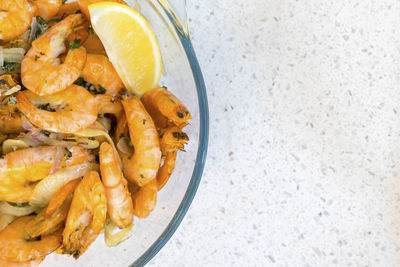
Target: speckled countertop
[{"x": 304, "y": 157}]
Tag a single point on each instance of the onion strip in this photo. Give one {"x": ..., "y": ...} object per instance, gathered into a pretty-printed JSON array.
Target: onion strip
[
  {"x": 97, "y": 133},
  {"x": 16, "y": 211},
  {"x": 5, "y": 220},
  {"x": 114, "y": 236},
  {"x": 11, "y": 145},
  {"x": 47, "y": 187}
]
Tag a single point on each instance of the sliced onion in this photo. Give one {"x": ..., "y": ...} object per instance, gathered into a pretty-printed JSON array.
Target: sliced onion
[
  {"x": 16, "y": 211},
  {"x": 47, "y": 187},
  {"x": 26, "y": 125},
  {"x": 15, "y": 54},
  {"x": 96, "y": 133},
  {"x": 123, "y": 145},
  {"x": 11, "y": 145},
  {"x": 114, "y": 235},
  {"x": 52, "y": 141},
  {"x": 59, "y": 155},
  {"x": 5, "y": 220},
  {"x": 87, "y": 143},
  {"x": 13, "y": 90},
  {"x": 34, "y": 28}
]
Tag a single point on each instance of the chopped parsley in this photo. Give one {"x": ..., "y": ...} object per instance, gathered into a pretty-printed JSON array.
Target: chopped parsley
[
  {"x": 144, "y": 122},
  {"x": 46, "y": 133},
  {"x": 81, "y": 82},
  {"x": 12, "y": 100},
  {"x": 9, "y": 66},
  {"x": 18, "y": 205},
  {"x": 112, "y": 100},
  {"x": 46, "y": 107},
  {"x": 73, "y": 44},
  {"x": 53, "y": 20},
  {"x": 166, "y": 88},
  {"x": 36, "y": 58},
  {"x": 102, "y": 90},
  {"x": 69, "y": 153},
  {"x": 38, "y": 238},
  {"x": 91, "y": 138},
  {"x": 41, "y": 20}
]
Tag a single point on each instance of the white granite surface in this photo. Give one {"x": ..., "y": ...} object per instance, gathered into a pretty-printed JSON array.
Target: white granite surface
[{"x": 304, "y": 158}]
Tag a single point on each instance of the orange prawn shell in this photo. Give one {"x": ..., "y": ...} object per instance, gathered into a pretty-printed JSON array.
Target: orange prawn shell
[
  {"x": 160, "y": 101},
  {"x": 18, "y": 18},
  {"x": 83, "y": 4},
  {"x": 81, "y": 112},
  {"x": 99, "y": 71},
  {"x": 58, "y": 199},
  {"x": 86, "y": 216},
  {"x": 47, "y": 9},
  {"x": 119, "y": 202},
  {"x": 41, "y": 71},
  {"x": 10, "y": 119},
  {"x": 144, "y": 198},
  {"x": 143, "y": 165},
  {"x": 14, "y": 247}
]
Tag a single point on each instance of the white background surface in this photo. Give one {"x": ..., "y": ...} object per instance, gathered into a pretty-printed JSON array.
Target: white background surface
[{"x": 303, "y": 164}]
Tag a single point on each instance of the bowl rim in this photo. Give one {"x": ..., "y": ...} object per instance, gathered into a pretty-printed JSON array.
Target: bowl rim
[{"x": 203, "y": 141}]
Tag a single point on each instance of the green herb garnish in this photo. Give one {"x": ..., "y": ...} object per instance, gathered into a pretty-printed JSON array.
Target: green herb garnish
[
  {"x": 102, "y": 90},
  {"x": 69, "y": 153},
  {"x": 12, "y": 100},
  {"x": 76, "y": 43},
  {"x": 9, "y": 66},
  {"x": 46, "y": 133},
  {"x": 19, "y": 205}
]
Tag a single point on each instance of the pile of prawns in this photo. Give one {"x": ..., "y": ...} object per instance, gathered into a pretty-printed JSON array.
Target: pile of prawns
[{"x": 57, "y": 114}]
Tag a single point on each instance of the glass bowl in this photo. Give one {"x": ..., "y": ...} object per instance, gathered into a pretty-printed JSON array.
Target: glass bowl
[{"x": 183, "y": 77}]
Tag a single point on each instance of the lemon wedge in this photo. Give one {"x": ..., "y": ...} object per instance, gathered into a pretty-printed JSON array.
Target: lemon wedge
[{"x": 130, "y": 44}]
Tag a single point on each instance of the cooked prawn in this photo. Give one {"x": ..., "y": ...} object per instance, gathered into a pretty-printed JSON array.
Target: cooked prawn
[
  {"x": 94, "y": 45},
  {"x": 67, "y": 9},
  {"x": 10, "y": 119},
  {"x": 100, "y": 72},
  {"x": 109, "y": 105},
  {"x": 14, "y": 245},
  {"x": 166, "y": 169},
  {"x": 144, "y": 198},
  {"x": 41, "y": 71},
  {"x": 83, "y": 4},
  {"x": 119, "y": 201},
  {"x": 172, "y": 139},
  {"x": 15, "y": 18},
  {"x": 47, "y": 9},
  {"x": 19, "y": 170},
  {"x": 59, "y": 198},
  {"x": 161, "y": 102},
  {"x": 44, "y": 225},
  {"x": 143, "y": 165},
  {"x": 86, "y": 216},
  {"x": 74, "y": 155},
  {"x": 79, "y": 110}
]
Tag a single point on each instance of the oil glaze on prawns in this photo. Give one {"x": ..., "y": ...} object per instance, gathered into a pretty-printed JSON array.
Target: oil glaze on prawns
[
  {"x": 42, "y": 71},
  {"x": 142, "y": 166}
]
